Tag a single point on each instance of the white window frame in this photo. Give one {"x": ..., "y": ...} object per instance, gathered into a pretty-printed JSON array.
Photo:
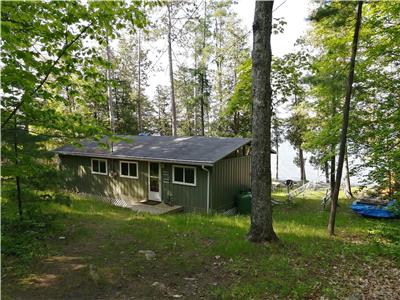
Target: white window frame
[
  {"x": 183, "y": 182},
  {"x": 99, "y": 173},
  {"x": 128, "y": 162}
]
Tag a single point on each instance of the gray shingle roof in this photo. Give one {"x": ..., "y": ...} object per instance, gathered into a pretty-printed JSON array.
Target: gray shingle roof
[{"x": 197, "y": 150}]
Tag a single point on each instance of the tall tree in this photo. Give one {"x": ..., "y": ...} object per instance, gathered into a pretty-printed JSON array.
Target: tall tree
[
  {"x": 171, "y": 71},
  {"x": 261, "y": 229},
  {"x": 53, "y": 79},
  {"x": 297, "y": 125},
  {"x": 330, "y": 36},
  {"x": 110, "y": 99},
  {"x": 345, "y": 124},
  {"x": 374, "y": 132},
  {"x": 203, "y": 73},
  {"x": 163, "y": 116},
  {"x": 277, "y": 134},
  {"x": 347, "y": 184},
  {"x": 288, "y": 86},
  {"x": 238, "y": 109},
  {"x": 131, "y": 70},
  {"x": 139, "y": 96}
]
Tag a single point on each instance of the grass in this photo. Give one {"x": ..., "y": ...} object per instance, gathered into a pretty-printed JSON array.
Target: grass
[{"x": 89, "y": 249}]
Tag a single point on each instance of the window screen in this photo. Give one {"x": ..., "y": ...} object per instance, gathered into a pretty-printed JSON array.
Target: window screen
[
  {"x": 124, "y": 169},
  {"x": 185, "y": 175},
  {"x": 178, "y": 174},
  {"x": 99, "y": 166},
  {"x": 102, "y": 166},
  {"x": 129, "y": 169},
  {"x": 133, "y": 170},
  {"x": 95, "y": 165},
  {"x": 189, "y": 175}
]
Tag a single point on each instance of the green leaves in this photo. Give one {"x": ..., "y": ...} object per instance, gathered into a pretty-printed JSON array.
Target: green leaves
[
  {"x": 53, "y": 78},
  {"x": 46, "y": 39},
  {"x": 374, "y": 120}
]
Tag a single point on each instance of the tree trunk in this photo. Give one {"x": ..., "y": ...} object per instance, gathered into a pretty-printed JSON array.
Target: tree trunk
[
  {"x": 139, "y": 100},
  {"x": 218, "y": 61},
  {"x": 302, "y": 166},
  {"x": 390, "y": 186},
  {"x": 277, "y": 159},
  {"x": 203, "y": 73},
  {"x": 326, "y": 171},
  {"x": 347, "y": 186},
  {"x": 17, "y": 179},
  {"x": 345, "y": 124},
  {"x": 333, "y": 150},
  {"x": 276, "y": 144},
  {"x": 261, "y": 229},
  {"x": 171, "y": 72},
  {"x": 333, "y": 171},
  {"x": 109, "y": 90},
  {"x": 202, "y": 104},
  {"x": 71, "y": 102},
  {"x": 160, "y": 125},
  {"x": 195, "y": 131},
  {"x": 236, "y": 123}
]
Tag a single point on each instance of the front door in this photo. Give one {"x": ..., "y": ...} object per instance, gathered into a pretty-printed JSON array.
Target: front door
[{"x": 154, "y": 182}]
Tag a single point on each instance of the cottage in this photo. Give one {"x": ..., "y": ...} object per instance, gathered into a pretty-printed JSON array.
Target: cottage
[{"x": 202, "y": 174}]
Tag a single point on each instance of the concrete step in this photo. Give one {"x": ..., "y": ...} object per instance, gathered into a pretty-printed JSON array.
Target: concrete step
[{"x": 155, "y": 209}]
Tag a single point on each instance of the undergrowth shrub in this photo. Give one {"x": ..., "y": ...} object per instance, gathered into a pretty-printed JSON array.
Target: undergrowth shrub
[{"x": 26, "y": 238}]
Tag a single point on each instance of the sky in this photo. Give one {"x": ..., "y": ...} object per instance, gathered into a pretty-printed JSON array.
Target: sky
[{"x": 294, "y": 12}]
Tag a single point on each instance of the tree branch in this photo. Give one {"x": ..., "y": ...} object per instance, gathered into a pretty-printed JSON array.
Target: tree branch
[{"x": 43, "y": 81}]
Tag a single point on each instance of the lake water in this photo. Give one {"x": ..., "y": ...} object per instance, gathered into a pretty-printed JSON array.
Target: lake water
[{"x": 288, "y": 170}]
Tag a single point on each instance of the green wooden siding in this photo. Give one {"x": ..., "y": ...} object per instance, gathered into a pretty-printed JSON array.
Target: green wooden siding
[
  {"x": 229, "y": 177},
  {"x": 192, "y": 198},
  {"x": 79, "y": 178}
]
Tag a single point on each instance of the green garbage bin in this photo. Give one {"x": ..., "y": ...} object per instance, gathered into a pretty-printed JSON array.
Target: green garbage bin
[{"x": 243, "y": 203}]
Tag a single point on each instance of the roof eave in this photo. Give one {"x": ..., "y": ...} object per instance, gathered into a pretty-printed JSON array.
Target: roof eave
[{"x": 162, "y": 160}]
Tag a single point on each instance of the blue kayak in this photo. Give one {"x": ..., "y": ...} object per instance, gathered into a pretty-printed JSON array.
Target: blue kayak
[{"x": 375, "y": 211}]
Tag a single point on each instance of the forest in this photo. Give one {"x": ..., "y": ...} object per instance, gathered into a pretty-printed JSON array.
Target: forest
[{"x": 72, "y": 70}]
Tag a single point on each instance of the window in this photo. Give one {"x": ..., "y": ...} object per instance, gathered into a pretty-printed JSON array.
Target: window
[
  {"x": 184, "y": 175},
  {"x": 128, "y": 169},
  {"x": 99, "y": 166}
]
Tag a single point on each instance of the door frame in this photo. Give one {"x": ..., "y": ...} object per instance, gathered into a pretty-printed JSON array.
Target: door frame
[{"x": 159, "y": 181}]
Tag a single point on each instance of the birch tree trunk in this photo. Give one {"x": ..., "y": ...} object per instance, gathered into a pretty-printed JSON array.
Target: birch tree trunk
[
  {"x": 345, "y": 124},
  {"x": 261, "y": 229},
  {"x": 171, "y": 72}
]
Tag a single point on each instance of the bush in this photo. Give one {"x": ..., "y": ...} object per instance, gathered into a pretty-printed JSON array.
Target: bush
[
  {"x": 395, "y": 208},
  {"x": 23, "y": 238},
  {"x": 63, "y": 199}
]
